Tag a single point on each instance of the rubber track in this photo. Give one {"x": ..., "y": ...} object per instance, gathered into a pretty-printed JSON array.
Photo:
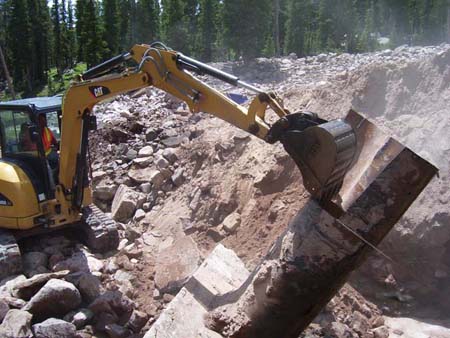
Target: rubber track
[{"x": 100, "y": 231}]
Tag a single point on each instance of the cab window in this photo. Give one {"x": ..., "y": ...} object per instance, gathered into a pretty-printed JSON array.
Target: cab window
[
  {"x": 53, "y": 124},
  {"x": 16, "y": 136}
]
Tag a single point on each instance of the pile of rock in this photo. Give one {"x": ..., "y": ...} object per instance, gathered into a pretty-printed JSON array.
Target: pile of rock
[{"x": 61, "y": 295}]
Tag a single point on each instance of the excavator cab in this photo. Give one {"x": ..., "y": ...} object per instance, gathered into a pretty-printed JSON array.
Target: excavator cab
[{"x": 23, "y": 162}]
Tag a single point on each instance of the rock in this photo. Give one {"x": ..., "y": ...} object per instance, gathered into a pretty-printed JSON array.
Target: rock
[
  {"x": 143, "y": 161},
  {"x": 105, "y": 192},
  {"x": 123, "y": 276},
  {"x": 80, "y": 262},
  {"x": 170, "y": 155},
  {"x": 337, "y": 329},
  {"x": 125, "y": 203},
  {"x": 33, "y": 260},
  {"x": 127, "y": 289},
  {"x": 16, "y": 324},
  {"x": 175, "y": 264},
  {"x": 54, "y": 328},
  {"x": 167, "y": 298},
  {"x": 360, "y": 323},
  {"x": 146, "y": 175},
  {"x": 14, "y": 302},
  {"x": 174, "y": 141},
  {"x": 161, "y": 162},
  {"x": 220, "y": 273},
  {"x": 79, "y": 318},
  {"x": 322, "y": 57},
  {"x": 4, "y": 308},
  {"x": 151, "y": 134},
  {"x": 231, "y": 222},
  {"x": 56, "y": 298},
  {"x": 89, "y": 287},
  {"x": 27, "y": 288},
  {"x": 139, "y": 215},
  {"x": 145, "y": 151},
  {"x": 137, "y": 321},
  {"x": 112, "y": 302},
  {"x": 381, "y": 332},
  {"x": 98, "y": 175},
  {"x": 178, "y": 177},
  {"x": 146, "y": 187},
  {"x": 117, "y": 331},
  {"x": 131, "y": 154},
  {"x": 10, "y": 260},
  {"x": 216, "y": 234}
]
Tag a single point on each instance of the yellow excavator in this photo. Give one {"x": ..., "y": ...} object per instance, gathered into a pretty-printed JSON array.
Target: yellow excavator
[{"x": 37, "y": 196}]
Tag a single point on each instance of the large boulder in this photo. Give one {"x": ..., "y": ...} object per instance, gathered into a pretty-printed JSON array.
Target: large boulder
[
  {"x": 25, "y": 289},
  {"x": 89, "y": 286},
  {"x": 146, "y": 175},
  {"x": 16, "y": 324},
  {"x": 54, "y": 328},
  {"x": 175, "y": 264},
  {"x": 80, "y": 262},
  {"x": 105, "y": 191},
  {"x": 55, "y": 299},
  {"x": 125, "y": 203}
]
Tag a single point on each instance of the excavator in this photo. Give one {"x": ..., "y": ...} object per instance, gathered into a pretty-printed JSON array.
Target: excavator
[{"x": 36, "y": 197}]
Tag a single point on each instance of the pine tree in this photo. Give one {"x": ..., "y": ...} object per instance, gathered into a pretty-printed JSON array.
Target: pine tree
[
  {"x": 71, "y": 34},
  {"x": 91, "y": 35},
  {"x": 124, "y": 25},
  {"x": 296, "y": 27},
  {"x": 64, "y": 52},
  {"x": 173, "y": 24},
  {"x": 244, "y": 36},
  {"x": 325, "y": 40},
  {"x": 80, "y": 29},
  {"x": 112, "y": 26},
  {"x": 207, "y": 28},
  {"x": 57, "y": 40},
  {"x": 20, "y": 45},
  {"x": 40, "y": 40},
  {"x": 147, "y": 29}
]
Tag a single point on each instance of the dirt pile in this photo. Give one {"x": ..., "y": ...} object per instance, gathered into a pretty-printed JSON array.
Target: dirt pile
[{"x": 181, "y": 182}]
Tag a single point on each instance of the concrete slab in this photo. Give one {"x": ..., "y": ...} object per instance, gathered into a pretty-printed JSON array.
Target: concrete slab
[{"x": 221, "y": 272}]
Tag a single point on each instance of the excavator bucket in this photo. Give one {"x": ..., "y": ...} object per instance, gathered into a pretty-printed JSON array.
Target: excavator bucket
[{"x": 340, "y": 158}]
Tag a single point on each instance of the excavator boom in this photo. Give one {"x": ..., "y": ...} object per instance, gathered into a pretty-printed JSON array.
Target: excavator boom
[{"x": 322, "y": 150}]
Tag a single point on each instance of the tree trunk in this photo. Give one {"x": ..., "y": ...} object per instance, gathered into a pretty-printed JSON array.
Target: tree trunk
[
  {"x": 8, "y": 77},
  {"x": 313, "y": 259}
]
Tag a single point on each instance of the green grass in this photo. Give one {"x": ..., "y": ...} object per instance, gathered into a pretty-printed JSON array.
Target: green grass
[{"x": 55, "y": 85}]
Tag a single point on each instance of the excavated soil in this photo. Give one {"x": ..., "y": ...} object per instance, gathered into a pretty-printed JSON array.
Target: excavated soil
[{"x": 218, "y": 184}]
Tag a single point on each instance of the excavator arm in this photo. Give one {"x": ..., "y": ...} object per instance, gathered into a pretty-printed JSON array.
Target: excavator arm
[{"x": 322, "y": 150}]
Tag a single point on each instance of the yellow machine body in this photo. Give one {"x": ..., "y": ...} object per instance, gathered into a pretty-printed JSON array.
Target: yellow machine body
[{"x": 24, "y": 208}]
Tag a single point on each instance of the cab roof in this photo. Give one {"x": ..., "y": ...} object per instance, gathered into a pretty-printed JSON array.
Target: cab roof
[{"x": 37, "y": 104}]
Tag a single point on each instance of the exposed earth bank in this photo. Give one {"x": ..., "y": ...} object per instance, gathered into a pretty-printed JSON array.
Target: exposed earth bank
[{"x": 179, "y": 183}]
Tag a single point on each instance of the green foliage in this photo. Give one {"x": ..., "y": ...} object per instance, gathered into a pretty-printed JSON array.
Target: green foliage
[
  {"x": 112, "y": 26},
  {"x": 148, "y": 25},
  {"x": 246, "y": 26},
  {"x": 20, "y": 43},
  {"x": 207, "y": 23},
  {"x": 42, "y": 43},
  {"x": 174, "y": 25}
]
